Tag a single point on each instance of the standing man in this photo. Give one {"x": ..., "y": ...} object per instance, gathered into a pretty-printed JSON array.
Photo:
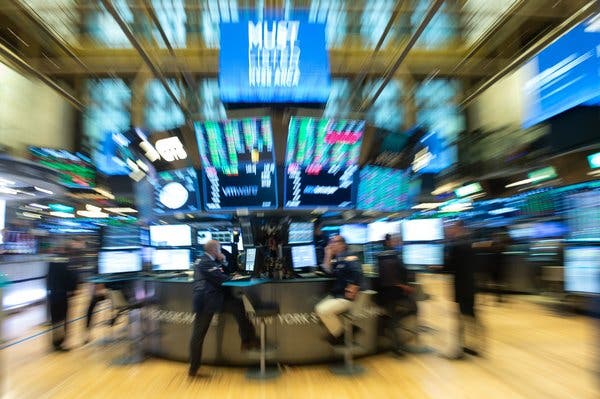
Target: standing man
[
  {"x": 211, "y": 297},
  {"x": 348, "y": 278},
  {"x": 460, "y": 262}
]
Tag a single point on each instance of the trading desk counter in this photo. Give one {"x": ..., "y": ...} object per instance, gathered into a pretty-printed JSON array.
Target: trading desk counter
[{"x": 295, "y": 332}]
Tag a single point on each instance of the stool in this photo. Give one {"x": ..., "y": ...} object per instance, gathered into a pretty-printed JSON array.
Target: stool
[
  {"x": 260, "y": 313},
  {"x": 120, "y": 305},
  {"x": 351, "y": 318}
]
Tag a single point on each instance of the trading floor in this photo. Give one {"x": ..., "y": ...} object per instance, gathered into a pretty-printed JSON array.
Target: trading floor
[{"x": 533, "y": 351}]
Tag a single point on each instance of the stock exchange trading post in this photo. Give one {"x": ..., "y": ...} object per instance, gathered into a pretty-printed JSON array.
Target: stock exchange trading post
[
  {"x": 238, "y": 164},
  {"x": 322, "y": 162}
]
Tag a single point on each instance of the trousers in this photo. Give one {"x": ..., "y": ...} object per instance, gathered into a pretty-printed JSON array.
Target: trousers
[{"x": 329, "y": 310}]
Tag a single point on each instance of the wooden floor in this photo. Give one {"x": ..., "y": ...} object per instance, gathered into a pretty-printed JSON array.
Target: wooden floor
[{"x": 531, "y": 353}]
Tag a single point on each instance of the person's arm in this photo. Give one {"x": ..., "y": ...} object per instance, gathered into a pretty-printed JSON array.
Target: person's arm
[
  {"x": 213, "y": 271},
  {"x": 354, "y": 283},
  {"x": 327, "y": 260}
]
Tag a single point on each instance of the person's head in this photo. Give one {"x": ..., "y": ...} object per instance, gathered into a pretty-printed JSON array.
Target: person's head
[
  {"x": 338, "y": 245},
  {"x": 213, "y": 248},
  {"x": 392, "y": 240},
  {"x": 456, "y": 230}
]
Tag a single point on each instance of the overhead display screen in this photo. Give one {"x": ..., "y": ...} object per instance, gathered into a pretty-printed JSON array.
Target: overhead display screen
[
  {"x": 171, "y": 259},
  {"x": 354, "y": 233},
  {"x": 224, "y": 145},
  {"x": 238, "y": 164},
  {"x": 75, "y": 170},
  {"x": 383, "y": 189},
  {"x": 119, "y": 262},
  {"x": 565, "y": 74},
  {"x": 176, "y": 191},
  {"x": 321, "y": 162},
  {"x": 423, "y": 254},
  {"x": 377, "y": 230},
  {"x": 273, "y": 61},
  {"x": 253, "y": 187},
  {"x": 582, "y": 269},
  {"x": 300, "y": 233}
]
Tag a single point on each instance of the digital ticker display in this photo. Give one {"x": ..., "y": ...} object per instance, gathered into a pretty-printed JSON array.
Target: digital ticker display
[
  {"x": 238, "y": 164},
  {"x": 176, "y": 191},
  {"x": 383, "y": 189},
  {"x": 321, "y": 162},
  {"x": 75, "y": 170}
]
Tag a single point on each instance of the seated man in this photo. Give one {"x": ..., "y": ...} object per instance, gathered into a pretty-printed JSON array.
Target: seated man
[
  {"x": 348, "y": 277},
  {"x": 211, "y": 297},
  {"x": 395, "y": 294}
]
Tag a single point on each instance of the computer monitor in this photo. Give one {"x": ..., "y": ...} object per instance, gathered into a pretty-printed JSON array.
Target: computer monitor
[
  {"x": 582, "y": 269},
  {"x": 250, "y": 259},
  {"x": 171, "y": 235},
  {"x": 300, "y": 233},
  {"x": 423, "y": 254},
  {"x": 377, "y": 231},
  {"x": 110, "y": 262},
  {"x": 227, "y": 248},
  {"x": 354, "y": 233},
  {"x": 303, "y": 256},
  {"x": 171, "y": 259},
  {"x": 422, "y": 230}
]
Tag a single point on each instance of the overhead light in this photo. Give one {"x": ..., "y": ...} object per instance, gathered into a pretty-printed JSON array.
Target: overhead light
[
  {"x": 62, "y": 214},
  {"x": 32, "y": 215},
  {"x": 6, "y": 190},
  {"x": 92, "y": 214},
  {"x": 520, "y": 183},
  {"x": 93, "y": 208},
  {"x": 467, "y": 190},
  {"x": 104, "y": 193},
  {"x": 39, "y": 206},
  {"x": 427, "y": 205},
  {"x": 542, "y": 174},
  {"x": 594, "y": 160},
  {"x": 121, "y": 210},
  {"x": 446, "y": 188},
  {"x": 6, "y": 182},
  {"x": 142, "y": 165},
  {"x": 594, "y": 173},
  {"x": 43, "y": 190}
]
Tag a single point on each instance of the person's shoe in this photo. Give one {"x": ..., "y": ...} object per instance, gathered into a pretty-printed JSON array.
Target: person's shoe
[
  {"x": 60, "y": 348},
  {"x": 470, "y": 351},
  {"x": 192, "y": 373}
]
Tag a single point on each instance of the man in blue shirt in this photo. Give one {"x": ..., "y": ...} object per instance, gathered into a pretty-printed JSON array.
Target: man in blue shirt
[
  {"x": 348, "y": 277},
  {"x": 211, "y": 297}
]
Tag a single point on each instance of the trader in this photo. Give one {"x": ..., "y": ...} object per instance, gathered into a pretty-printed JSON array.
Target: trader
[
  {"x": 348, "y": 278},
  {"x": 210, "y": 298}
]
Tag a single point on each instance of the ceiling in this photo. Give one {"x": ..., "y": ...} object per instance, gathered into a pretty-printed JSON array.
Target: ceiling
[{"x": 476, "y": 41}]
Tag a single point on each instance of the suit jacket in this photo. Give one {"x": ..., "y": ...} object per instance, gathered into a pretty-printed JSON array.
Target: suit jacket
[{"x": 208, "y": 292}]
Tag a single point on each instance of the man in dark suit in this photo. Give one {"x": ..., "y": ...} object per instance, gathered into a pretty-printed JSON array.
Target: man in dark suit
[{"x": 210, "y": 298}]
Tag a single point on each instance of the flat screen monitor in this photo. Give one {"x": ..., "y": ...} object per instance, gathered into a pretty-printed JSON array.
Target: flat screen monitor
[
  {"x": 250, "y": 259},
  {"x": 423, "y": 254},
  {"x": 271, "y": 59},
  {"x": 422, "y": 230},
  {"x": 300, "y": 233},
  {"x": 303, "y": 256},
  {"x": 583, "y": 214},
  {"x": 582, "y": 269},
  {"x": 227, "y": 248},
  {"x": 203, "y": 236},
  {"x": 171, "y": 235},
  {"x": 376, "y": 231},
  {"x": 176, "y": 191},
  {"x": 383, "y": 189},
  {"x": 564, "y": 74},
  {"x": 74, "y": 170},
  {"x": 171, "y": 259},
  {"x": 321, "y": 163},
  {"x": 110, "y": 262},
  {"x": 354, "y": 233}
]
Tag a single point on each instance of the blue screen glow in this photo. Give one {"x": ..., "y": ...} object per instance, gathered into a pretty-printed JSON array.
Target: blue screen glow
[
  {"x": 565, "y": 74},
  {"x": 270, "y": 61}
]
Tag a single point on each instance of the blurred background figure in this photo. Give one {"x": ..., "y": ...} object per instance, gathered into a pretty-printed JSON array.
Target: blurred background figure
[
  {"x": 61, "y": 284},
  {"x": 461, "y": 263}
]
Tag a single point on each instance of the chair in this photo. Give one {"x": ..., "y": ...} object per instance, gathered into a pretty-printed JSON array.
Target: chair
[
  {"x": 260, "y": 313},
  {"x": 351, "y": 318},
  {"x": 133, "y": 310}
]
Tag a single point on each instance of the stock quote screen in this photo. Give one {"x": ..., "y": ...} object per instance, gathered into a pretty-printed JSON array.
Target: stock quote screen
[
  {"x": 176, "y": 191},
  {"x": 238, "y": 164},
  {"x": 75, "y": 170},
  {"x": 383, "y": 189},
  {"x": 322, "y": 162}
]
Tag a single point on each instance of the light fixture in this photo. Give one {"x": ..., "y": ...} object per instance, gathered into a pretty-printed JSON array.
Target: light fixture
[
  {"x": 104, "y": 193},
  {"x": 121, "y": 210},
  {"x": 62, "y": 214},
  {"x": 6, "y": 190},
  {"x": 427, "y": 205},
  {"x": 92, "y": 208},
  {"x": 32, "y": 215},
  {"x": 92, "y": 214},
  {"x": 43, "y": 190}
]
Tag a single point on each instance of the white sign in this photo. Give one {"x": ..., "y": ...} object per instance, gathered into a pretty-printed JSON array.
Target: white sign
[
  {"x": 273, "y": 56},
  {"x": 171, "y": 149}
]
